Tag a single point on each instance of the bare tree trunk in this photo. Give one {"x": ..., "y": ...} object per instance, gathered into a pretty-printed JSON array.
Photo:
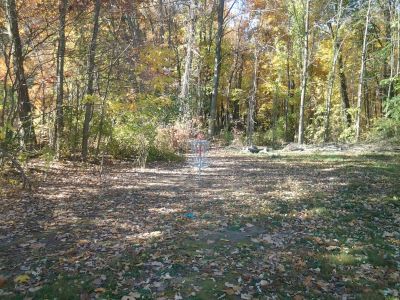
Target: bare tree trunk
[
  {"x": 103, "y": 105},
  {"x": 217, "y": 68},
  {"x": 24, "y": 104},
  {"x": 304, "y": 73},
  {"x": 398, "y": 44},
  {"x": 5, "y": 84},
  {"x": 59, "y": 123},
  {"x": 390, "y": 39},
  {"x": 252, "y": 101},
  {"x": 362, "y": 71},
  {"x": 90, "y": 91},
  {"x": 289, "y": 81},
  {"x": 238, "y": 84},
  {"x": 275, "y": 112},
  {"x": 331, "y": 78},
  {"x": 184, "y": 105},
  {"x": 343, "y": 89},
  {"x": 231, "y": 76},
  {"x": 172, "y": 44}
]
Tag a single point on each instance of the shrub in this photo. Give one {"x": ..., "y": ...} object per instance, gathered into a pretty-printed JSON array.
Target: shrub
[{"x": 388, "y": 127}]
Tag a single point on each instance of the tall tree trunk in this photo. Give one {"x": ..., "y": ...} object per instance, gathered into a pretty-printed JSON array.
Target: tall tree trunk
[
  {"x": 161, "y": 20},
  {"x": 238, "y": 84},
  {"x": 59, "y": 123},
  {"x": 331, "y": 78},
  {"x": 184, "y": 105},
  {"x": 304, "y": 73},
  {"x": 24, "y": 104},
  {"x": 90, "y": 90},
  {"x": 231, "y": 76},
  {"x": 362, "y": 71},
  {"x": 104, "y": 103},
  {"x": 252, "y": 101},
  {"x": 5, "y": 85},
  {"x": 390, "y": 39},
  {"x": 289, "y": 80},
  {"x": 171, "y": 42},
  {"x": 217, "y": 68},
  {"x": 398, "y": 43},
  {"x": 343, "y": 88}
]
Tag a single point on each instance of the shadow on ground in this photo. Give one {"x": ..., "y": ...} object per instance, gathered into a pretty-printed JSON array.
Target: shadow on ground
[{"x": 249, "y": 227}]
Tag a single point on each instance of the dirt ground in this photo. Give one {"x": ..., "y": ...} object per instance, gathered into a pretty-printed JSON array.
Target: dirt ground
[{"x": 274, "y": 225}]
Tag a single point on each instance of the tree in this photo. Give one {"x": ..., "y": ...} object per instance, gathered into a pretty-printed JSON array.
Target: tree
[
  {"x": 252, "y": 99},
  {"x": 59, "y": 123},
  {"x": 362, "y": 71},
  {"x": 24, "y": 104},
  {"x": 217, "y": 69},
  {"x": 331, "y": 77},
  {"x": 184, "y": 105},
  {"x": 304, "y": 72},
  {"x": 90, "y": 74}
]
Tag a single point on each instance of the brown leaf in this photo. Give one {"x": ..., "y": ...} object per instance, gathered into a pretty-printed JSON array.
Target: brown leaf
[
  {"x": 308, "y": 281},
  {"x": 3, "y": 281},
  {"x": 322, "y": 285}
]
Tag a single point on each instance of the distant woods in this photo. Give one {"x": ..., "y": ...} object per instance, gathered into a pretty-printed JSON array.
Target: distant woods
[{"x": 137, "y": 79}]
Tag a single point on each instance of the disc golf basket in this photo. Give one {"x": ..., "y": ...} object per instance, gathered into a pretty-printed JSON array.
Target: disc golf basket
[{"x": 199, "y": 150}]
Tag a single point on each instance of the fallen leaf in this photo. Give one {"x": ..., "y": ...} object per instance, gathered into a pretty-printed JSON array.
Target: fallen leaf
[
  {"x": 308, "y": 281},
  {"x": 267, "y": 238},
  {"x": 35, "y": 289},
  {"x": 3, "y": 281},
  {"x": 100, "y": 290},
  {"x": 22, "y": 279},
  {"x": 131, "y": 296},
  {"x": 263, "y": 283},
  {"x": 389, "y": 234},
  {"x": 322, "y": 285},
  {"x": 38, "y": 245},
  {"x": 229, "y": 291},
  {"x": 331, "y": 248},
  {"x": 234, "y": 287}
]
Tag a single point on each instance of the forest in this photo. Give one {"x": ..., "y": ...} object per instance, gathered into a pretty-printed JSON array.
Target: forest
[
  {"x": 297, "y": 103},
  {"x": 129, "y": 78}
]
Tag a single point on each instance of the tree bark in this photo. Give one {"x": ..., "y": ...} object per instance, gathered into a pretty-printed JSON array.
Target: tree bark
[
  {"x": 289, "y": 80},
  {"x": 343, "y": 89},
  {"x": 331, "y": 78},
  {"x": 90, "y": 90},
  {"x": 217, "y": 69},
  {"x": 304, "y": 73},
  {"x": 252, "y": 101},
  {"x": 390, "y": 18},
  {"x": 362, "y": 71},
  {"x": 231, "y": 77},
  {"x": 24, "y": 104},
  {"x": 184, "y": 104},
  {"x": 59, "y": 123}
]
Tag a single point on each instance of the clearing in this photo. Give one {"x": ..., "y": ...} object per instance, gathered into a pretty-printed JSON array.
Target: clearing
[{"x": 266, "y": 226}]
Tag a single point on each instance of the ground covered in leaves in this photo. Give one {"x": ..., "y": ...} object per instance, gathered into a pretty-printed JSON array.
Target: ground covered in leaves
[{"x": 265, "y": 226}]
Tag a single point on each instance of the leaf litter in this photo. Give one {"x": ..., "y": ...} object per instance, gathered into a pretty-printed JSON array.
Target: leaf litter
[{"x": 252, "y": 227}]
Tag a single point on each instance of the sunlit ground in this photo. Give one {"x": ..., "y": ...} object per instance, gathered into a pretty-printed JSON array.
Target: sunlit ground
[{"x": 250, "y": 227}]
